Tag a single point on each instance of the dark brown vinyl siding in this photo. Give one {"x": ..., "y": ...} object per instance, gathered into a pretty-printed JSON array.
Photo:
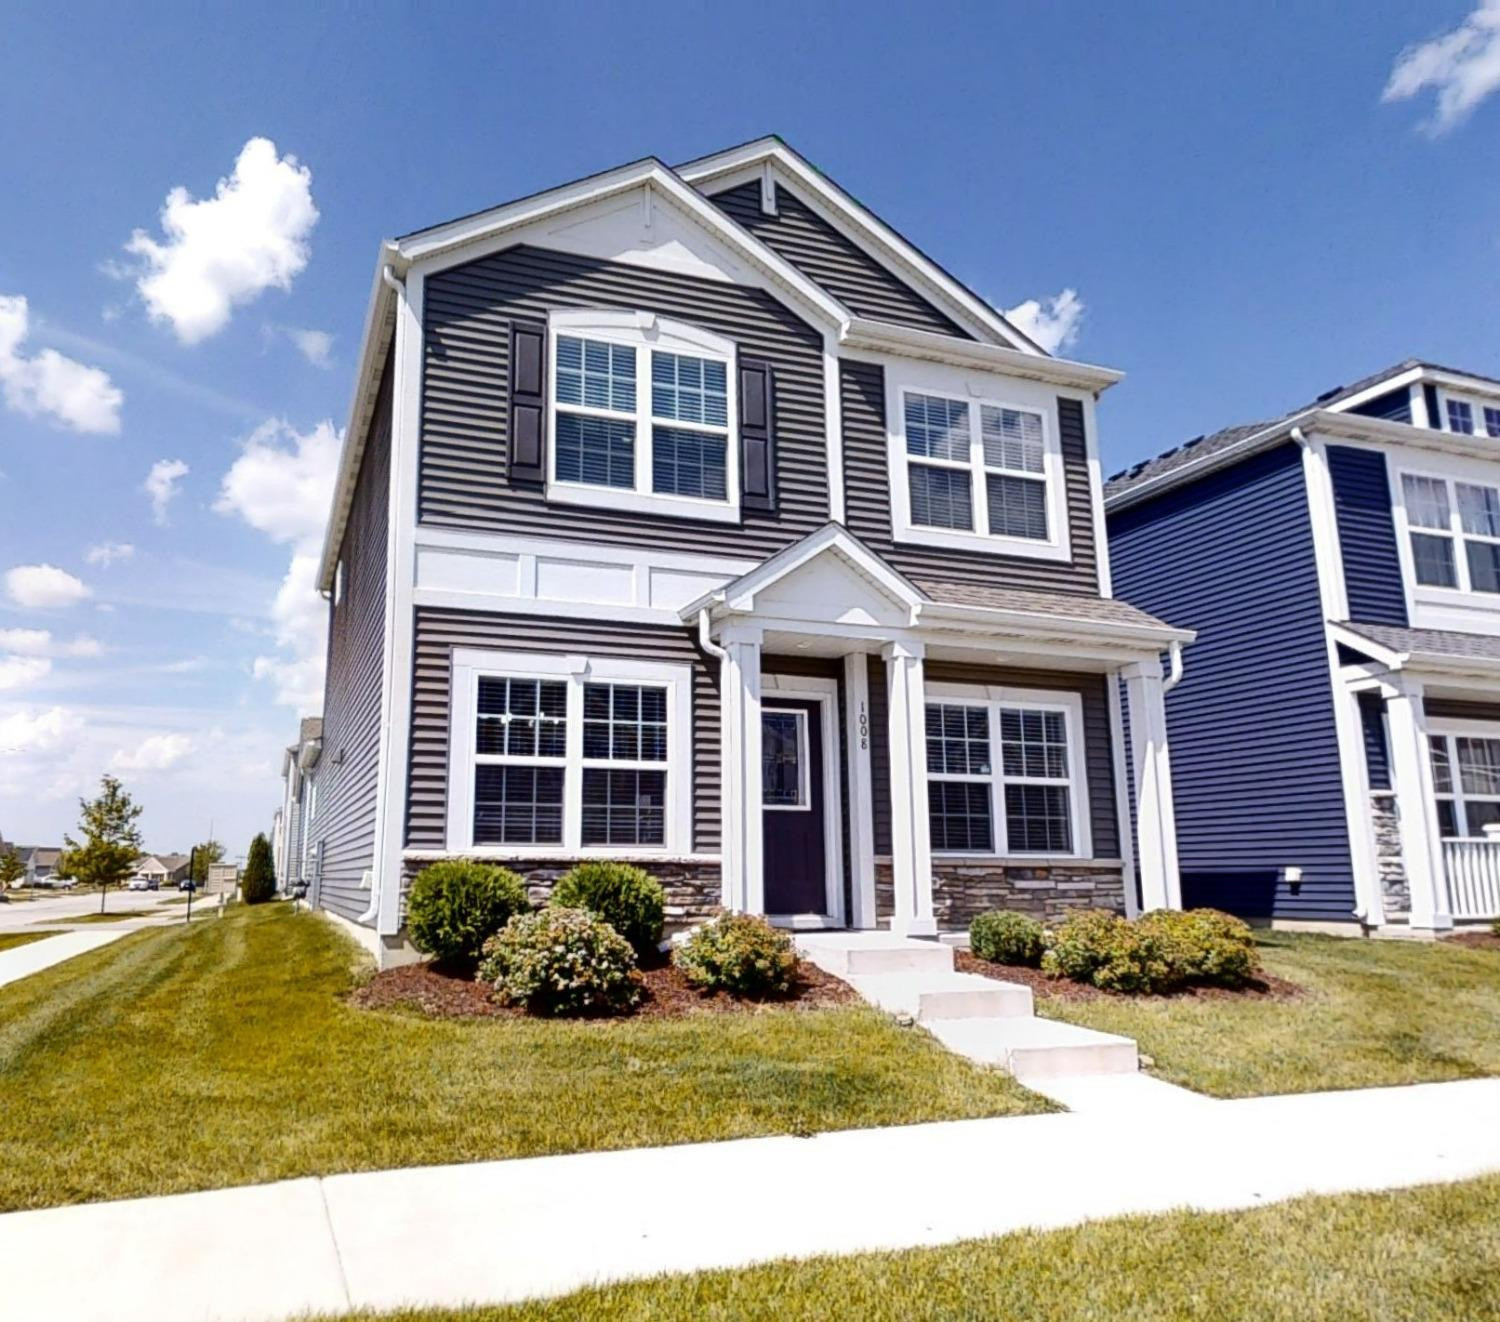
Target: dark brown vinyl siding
[
  {"x": 839, "y": 265},
  {"x": 1098, "y": 747},
  {"x": 1460, "y": 709},
  {"x": 344, "y": 812},
  {"x": 462, "y": 478},
  {"x": 868, "y": 501},
  {"x": 438, "y": 632}
]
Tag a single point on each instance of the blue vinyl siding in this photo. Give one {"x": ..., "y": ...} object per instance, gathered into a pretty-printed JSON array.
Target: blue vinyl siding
[
  {"x": 1393, "y": 406},
  {"x": 1367, "y": 535},
  {"x": 1372, "y": 730},
  {"x": 1255, "y": 758}
]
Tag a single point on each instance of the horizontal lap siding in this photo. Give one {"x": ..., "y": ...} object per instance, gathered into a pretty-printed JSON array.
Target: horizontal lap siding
[
  {"x": 344, "y": 811},
  {"x": 839, "y": 265},
  {"x": 438, "y": 632},
  {"x": 1459, "y": 709},
  {"x": 868, "y": 502},
  {"x": 1255, "y": 757},
  {"x": 1367, "y": 535},
  {"x": 462, "y": 475}
]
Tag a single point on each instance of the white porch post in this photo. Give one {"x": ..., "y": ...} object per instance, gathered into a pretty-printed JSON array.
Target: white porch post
[
  {"x": 744, "y": 884},
  {"x": 1156, "y": 824},
  {"x": 1411, "y": 778},
  {"x": 861, "y": 789},
  {"x": 911, "y": 844}
]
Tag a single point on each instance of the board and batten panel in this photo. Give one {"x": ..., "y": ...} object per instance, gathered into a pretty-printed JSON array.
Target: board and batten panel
[
  {"x": 828, "y": 258},
  {"x": 344, "y": 812},
  {"x": 1255, "y": 757},
  {"x": 439, "y": 631},
  {"x": 867, "y": 499},
  {"x": 1367, "y": 535},
  {"x": 463, "y": 480}
]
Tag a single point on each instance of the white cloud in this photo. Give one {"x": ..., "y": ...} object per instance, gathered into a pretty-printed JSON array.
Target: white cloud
[
  {"x": 162, "y": 484},
  {"x": 157, "y": 752},
  {"x": 25, "y": 731},
  {"x": 43, "y": 587},
  {"x": 48, "y": 384},
  {"x": 299, "y": 617},
  {"x": 314, "y": 345},
  {"x": 283, "y": 482},
  {"x": 39, "y": 642},
  {"x": 19, "y": 672},
  {"x": 1461, "y": 67},
  {"x": 106, "y": 553},
  {"x": 1052, "y": 322},
  {"x": 225, "y": 250}
]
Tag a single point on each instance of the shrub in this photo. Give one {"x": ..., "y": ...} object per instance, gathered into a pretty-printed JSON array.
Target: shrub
[
  {"x": 738, "y": 953},
  {"x": 455, "y": 906},
  {"x": 1007, "y": 938},
  {"x": 1495, "y": 928},
  {"x": 628, "y": 898},
  {"x": 258, "y": 884},
  {"x": 561, "y": 961},
  {"x": 1109, "y": 952},
  {"x": 1206, "y": 945}
]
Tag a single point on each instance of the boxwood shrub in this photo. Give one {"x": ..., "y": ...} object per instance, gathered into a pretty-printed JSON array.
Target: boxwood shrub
[
  {"x": 1007, "y": 938},
  {"x": 628, "y": 898},
  {"x": 455, "y": 906},
  {"x": 561, "y": 961},
  {"x": 1208, "y": 947},
  {"x": 738, "y": 953},
  {"x": 1160, "y": 952}
]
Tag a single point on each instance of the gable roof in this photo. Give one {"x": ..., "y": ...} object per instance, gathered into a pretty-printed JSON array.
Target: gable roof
[{"x": 1172, "y": 466}]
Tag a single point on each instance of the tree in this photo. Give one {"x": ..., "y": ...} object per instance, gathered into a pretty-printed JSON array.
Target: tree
[
  {"x": 258, "y": 884},
  {"x": 209, "y": 852},
  {"x": 11, "y": 868},
  {"x": 111, "y": 839}
]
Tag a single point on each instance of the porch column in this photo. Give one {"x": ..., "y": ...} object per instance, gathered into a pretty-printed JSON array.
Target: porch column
[
  {"x": 1156, "y": 824},
  {"x": 911, "y": 844},
  {"x": 861, "y": 789},
  {"x": 1416, "y": 809},
  {"x": 739, "y": 697}
]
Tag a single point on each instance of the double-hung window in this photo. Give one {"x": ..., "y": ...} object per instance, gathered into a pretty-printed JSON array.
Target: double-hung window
[
  {"x": 1466, "y": 782},
  {"x": 975, "y": 474},
  {"x": 643, "y": 415},
  {"x": 1005, "y": 774},
  {"x": 552, "y": 754},
  {"x": 1491, "y": 421},
  {"x": 1454, "y": 530},
  {"x": 1461, "y": 416}
]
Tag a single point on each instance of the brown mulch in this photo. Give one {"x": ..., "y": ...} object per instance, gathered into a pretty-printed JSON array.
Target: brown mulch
[
  {"x": 1267, "y": 987},
  {"x": 1475, "y": 940},
  {"x": 450, "y": 994}
]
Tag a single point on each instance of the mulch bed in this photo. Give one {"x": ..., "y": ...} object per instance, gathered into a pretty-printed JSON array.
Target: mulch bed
[
  {"x": 450, "y": 994},
  {"x": 1475, "y": 940},
  {"x": 1267, "y": 987}
]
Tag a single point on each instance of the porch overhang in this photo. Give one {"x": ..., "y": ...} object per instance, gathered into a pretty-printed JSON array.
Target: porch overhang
[{"x": 1431, "y": 656}]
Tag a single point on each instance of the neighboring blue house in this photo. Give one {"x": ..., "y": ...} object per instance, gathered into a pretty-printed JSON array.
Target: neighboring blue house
[{"x": 1335, "y": 742}]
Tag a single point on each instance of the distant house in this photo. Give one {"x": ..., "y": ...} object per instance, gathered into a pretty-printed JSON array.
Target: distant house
[
  {"x": 41, "y": 862},
  {"x": 291, "y": 853},
  {"x": 164, "y": 869}
]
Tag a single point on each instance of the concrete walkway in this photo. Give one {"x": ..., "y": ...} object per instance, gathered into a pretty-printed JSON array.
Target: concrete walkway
[
  {"x": 22, "y": 961},
  {"x": 509, "y": 1230}
]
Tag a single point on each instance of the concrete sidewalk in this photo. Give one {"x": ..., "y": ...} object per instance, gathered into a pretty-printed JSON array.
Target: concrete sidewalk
[
  {"x": 509, "y": 1230},
  {"x": 22, "y": 961}
]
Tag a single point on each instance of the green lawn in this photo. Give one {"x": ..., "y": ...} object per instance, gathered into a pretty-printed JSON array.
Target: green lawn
[
  {"x": 1374, "y": 1013},
  {"x": 1419, "y": 1255},
  {"x": 10, "y": 940},
  {"x": 195, "y": 1057},
  {"x": 108, "y": 916}
]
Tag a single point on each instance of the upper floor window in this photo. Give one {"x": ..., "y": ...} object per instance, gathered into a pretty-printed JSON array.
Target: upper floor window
[
  {"x": 1455, "y": 532},
  {"x": 643, "y": 415},
  {"x": 1491, "y": 422},
  {"x": 977, "y": 474},
  {"x": 1461, "y": 416}
]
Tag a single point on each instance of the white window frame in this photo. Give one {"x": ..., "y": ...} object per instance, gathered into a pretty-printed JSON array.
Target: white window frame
[
  {"x": 993, "y": 698},
  {"x": 977, "y": 395},
  {"x": 1450, "y": 731},
  {"x": 1452, "y": 478},
  {"x": 644, "y": 332},
  {"x": 1477, "y": 405},
  {"x": 470, "y": 664},
  {"x": 804, "y": 755}
]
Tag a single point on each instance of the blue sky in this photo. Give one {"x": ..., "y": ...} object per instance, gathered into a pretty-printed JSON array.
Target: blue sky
[{"x": 1244, "y": 220}]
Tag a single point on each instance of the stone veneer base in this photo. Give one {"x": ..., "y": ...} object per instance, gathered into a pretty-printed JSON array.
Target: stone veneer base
[{"x": 1048, "y": 893}]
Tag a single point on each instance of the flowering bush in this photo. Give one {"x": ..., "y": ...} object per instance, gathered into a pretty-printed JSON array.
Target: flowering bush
[
  {"x": 561, "y": 962},
  {"x": 455, "y": 906},
  {"x": 1205, "y": 945},
  {"x": 628, "y": 898},
  {"x": 738, "y": 953},
  {"x": 1007, "y": 938}
]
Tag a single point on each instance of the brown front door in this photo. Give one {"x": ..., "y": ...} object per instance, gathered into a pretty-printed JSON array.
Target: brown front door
[{"x": 793, "y": 806}]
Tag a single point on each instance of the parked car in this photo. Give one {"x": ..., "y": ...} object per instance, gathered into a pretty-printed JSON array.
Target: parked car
[{"x": 144, "y": 884}]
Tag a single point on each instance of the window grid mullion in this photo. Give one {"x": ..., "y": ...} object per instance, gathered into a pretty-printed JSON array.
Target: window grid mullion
[{"x": 1456, "y": 527}]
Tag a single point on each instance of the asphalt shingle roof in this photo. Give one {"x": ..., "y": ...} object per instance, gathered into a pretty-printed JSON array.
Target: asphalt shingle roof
[
  {"x": 1437, "y": 642},
  {"x": 1063, "y": 605}
]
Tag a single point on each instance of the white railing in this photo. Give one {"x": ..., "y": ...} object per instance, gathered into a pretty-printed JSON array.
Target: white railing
[{"x": 1473, "y": 867}]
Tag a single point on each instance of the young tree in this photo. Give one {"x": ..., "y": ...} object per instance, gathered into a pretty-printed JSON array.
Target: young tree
[
  {"x": 111, "y": 839},
  {"x": 258, "y": 884},
  {"x": 209, "y": 852},
  {"x": 11, "y": 868}
]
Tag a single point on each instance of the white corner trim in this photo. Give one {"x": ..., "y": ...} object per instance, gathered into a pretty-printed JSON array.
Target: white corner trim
[
  {"x": 833, "y": 414},
  {"x": 1096, "y": 496}
]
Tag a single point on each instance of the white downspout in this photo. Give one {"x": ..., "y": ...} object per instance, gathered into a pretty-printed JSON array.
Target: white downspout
[
  {"x": 707, "y": 643},
  {"x": 1174, "y": 660}
]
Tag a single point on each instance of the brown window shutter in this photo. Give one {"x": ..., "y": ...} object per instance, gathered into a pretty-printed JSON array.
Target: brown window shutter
[
  {"x": 757, "y": 436},
  {"x": 528, "y": 403}
]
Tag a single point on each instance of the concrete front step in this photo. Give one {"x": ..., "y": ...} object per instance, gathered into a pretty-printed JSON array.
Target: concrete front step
[
  {"x": 846, "y": 954},
  {"x": 1030, "y": 1048},
  {"x": 929, "y": 997}
]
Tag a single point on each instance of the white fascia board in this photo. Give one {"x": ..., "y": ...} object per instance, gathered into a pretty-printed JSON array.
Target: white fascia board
[
  {"x": 1464, "y": 385},
  {"x": 1384, "y": 386},
  {"x": 1379, "y": 431},
  {"x": 1153, "y": 638},
  {"x": 870, "y": 230},
  {"x": 1389, "y": 658},
  {"x": 886, "y": 338}
]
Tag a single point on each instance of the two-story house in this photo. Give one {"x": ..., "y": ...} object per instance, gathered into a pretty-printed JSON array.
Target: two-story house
[
  {"x": 692, "y": 516},
  {"x": 1336, "y": 740},
  {"x": 291, "y": 840}
]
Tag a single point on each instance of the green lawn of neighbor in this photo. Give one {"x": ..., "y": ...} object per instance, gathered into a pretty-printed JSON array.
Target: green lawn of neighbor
[
  {"x": 195, "y": 1057},
  {"x": 108, "y": 916},
  {"x": 1423, "y": 1255},
  {"x": 10, "y": 940},
  {"x": 1372, "y": 1013}
]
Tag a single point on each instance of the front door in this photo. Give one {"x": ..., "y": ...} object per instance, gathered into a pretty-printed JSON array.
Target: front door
[{"x": 795, "y": 851}]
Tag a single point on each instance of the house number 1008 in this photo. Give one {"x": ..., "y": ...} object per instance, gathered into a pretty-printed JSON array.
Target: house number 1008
[{"x": 864, "y": 727}]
